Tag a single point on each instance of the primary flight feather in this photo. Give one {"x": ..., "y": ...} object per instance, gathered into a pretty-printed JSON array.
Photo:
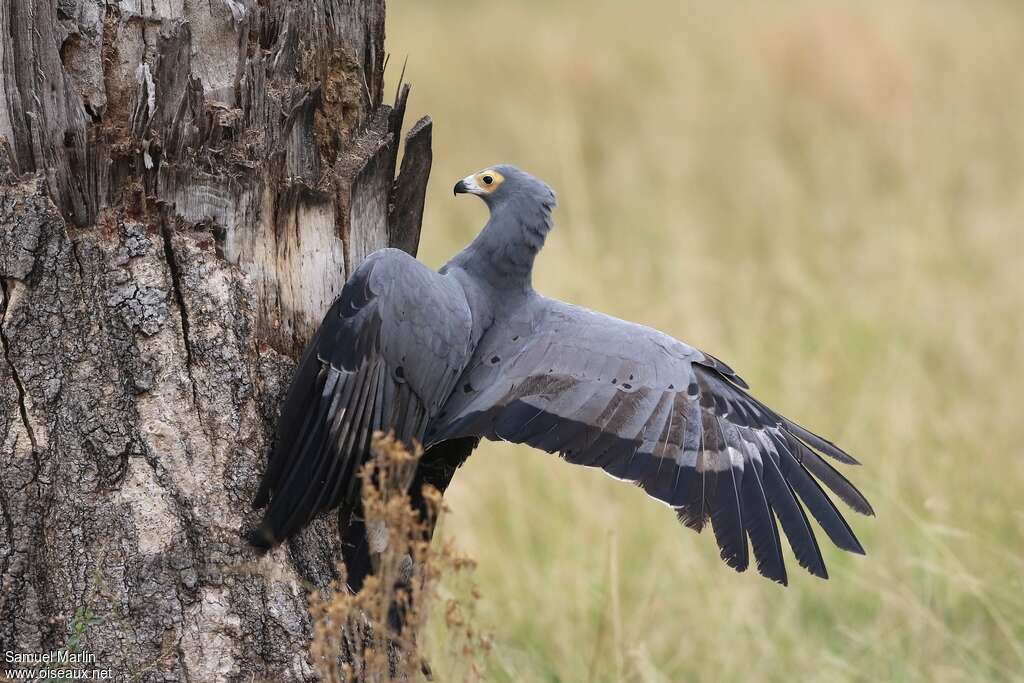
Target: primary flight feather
[{"x": 472, "y": 351}]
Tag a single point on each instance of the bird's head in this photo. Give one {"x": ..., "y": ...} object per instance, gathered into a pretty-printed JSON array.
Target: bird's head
[{"x": 503, "y": 184}]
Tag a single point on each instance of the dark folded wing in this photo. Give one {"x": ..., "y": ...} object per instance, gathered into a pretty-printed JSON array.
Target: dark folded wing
[
  {"x": 386, "y": 355},
  {"x": 649, "y": 409}
]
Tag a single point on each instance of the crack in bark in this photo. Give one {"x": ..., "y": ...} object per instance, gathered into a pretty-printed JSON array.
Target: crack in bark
[
  {"x": 14, "y": 371},
  {"x": 8, "y": 530},
  {"x": 174, "y": 268}
]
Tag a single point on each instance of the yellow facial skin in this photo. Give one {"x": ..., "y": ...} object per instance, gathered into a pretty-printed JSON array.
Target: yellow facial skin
[{"x": 488, "y": 181}]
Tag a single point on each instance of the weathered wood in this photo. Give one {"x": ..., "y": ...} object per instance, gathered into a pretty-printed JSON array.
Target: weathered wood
[
  {"x": 184, "y": 188},
  {"x": 411, "y": 188}
]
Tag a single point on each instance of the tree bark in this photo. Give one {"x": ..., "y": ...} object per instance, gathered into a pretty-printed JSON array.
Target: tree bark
[{"x": 184, "y": 188}]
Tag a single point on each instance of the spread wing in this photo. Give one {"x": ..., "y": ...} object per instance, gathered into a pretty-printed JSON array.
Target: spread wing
[
  {"x": 385, "y": 357},
  {"x": 649, "y": 409}
]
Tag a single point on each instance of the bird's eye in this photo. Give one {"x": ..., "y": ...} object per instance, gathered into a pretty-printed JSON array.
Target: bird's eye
[{"x": 488, "y": 180}]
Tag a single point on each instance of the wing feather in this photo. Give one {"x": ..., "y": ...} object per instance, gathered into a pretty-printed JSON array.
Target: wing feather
[
  {"x": 385, "y": 357},
  {"x": 791, "y": 515},
  {"x": 760, "y": 523},
  {"x": 651, "y": 410},
  {"x": 727, "y": 515},
  {"x": 821, "y": 507}
]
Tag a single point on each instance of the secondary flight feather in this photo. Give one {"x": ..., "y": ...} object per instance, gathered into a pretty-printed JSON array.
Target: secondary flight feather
[{"x": 472, "y": 351}]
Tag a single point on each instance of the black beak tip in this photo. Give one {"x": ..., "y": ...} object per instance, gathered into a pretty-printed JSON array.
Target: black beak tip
[{"x": 460, "y": 187}]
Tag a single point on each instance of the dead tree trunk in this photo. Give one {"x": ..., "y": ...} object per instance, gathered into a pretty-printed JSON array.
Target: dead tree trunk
[{"x": 183, "y": 191}]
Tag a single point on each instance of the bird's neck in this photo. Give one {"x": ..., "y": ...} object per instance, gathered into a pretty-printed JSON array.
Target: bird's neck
[{"x": 502, "y": 255}]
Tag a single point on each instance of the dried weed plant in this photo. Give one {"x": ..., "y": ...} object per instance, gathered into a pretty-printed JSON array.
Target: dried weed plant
[{"x": 371, "y": 635}]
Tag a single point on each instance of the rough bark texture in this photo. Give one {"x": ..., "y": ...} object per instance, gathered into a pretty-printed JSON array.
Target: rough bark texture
[{"x": 184, "y": 188}]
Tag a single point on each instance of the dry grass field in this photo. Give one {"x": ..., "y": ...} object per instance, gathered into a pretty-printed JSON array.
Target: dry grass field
[{"x": 829, "y": 195}]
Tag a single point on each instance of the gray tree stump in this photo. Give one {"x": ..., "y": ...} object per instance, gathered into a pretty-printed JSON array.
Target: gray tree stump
[{"x": 184, "y": 188}]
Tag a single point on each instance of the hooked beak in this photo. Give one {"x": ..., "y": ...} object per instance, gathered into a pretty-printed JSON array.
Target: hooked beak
[{"x": 468, "y": 186}]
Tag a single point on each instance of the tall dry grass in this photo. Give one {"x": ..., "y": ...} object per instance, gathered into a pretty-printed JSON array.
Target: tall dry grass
[
  {"x": 830, "y": 196},
  {"x": 373, "y": 636}
]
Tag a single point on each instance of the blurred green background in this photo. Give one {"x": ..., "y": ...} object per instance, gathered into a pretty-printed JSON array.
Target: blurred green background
[{"x": 828, "y": 195}]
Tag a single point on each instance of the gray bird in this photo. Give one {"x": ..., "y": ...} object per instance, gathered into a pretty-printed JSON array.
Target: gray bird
[{"x": 472, "y": 351}]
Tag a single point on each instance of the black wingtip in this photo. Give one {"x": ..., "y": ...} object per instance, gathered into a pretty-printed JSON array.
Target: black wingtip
[
  {"x": 262, "y": 497},
  {"x": 261, "y": 538},
  {"x": 822, "y": 444}
]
